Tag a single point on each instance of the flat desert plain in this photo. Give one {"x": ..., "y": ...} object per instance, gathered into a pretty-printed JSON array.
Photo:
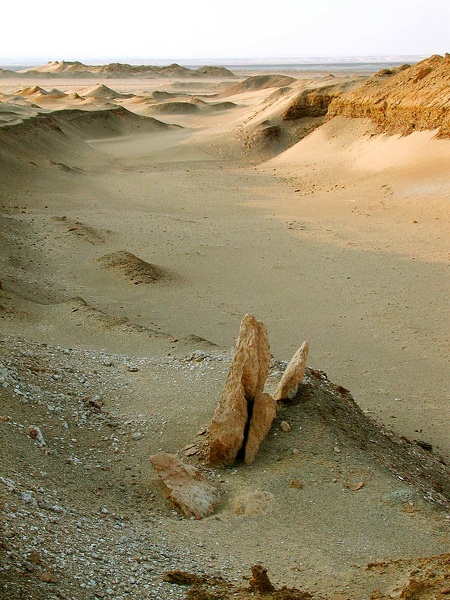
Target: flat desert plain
[{"x": 142, "y": 219}]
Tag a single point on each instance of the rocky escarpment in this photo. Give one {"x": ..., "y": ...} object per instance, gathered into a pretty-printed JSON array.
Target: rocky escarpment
[
  {"x": 404, "y": 100},
  {"x": 314, "y": 101},
  {"x": 291, "y": 113}
]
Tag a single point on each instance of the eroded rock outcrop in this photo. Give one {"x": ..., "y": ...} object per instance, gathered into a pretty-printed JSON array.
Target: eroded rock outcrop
[
  {"x": 293, "y": 374},
  {"x": 244, "y": 414},
  {"x": 404, "y": 100},
  {"x": 189, "y": 490}
]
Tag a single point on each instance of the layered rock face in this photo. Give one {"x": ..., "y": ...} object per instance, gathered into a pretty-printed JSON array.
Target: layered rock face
[
  {"x": 404, "y": 100},
  {"x": 314, "y": 101},
  {"x": 311, "y": 103}
]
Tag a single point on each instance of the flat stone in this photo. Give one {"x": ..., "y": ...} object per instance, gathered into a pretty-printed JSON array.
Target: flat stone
[{"x": 190, "y": 491}]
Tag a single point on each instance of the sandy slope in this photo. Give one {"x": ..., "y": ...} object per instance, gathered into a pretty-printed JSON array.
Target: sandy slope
[{"x": 341, "y": 240}]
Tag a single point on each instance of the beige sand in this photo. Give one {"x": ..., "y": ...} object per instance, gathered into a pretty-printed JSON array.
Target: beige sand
[{"x": 341, "y": 240}]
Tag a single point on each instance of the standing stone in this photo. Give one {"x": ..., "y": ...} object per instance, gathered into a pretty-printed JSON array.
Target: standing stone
[
  {"x": 264, "y": 412},
  {"x": 293, "y": 375},
  {"x": 189, "y": 490},
  {"x": 246, "y": 378}
]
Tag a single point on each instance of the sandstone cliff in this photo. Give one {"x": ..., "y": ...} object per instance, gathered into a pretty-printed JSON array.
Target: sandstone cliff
[{"x": 404, "y": 100}]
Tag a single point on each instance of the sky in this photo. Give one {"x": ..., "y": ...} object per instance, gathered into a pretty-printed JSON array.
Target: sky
[{"x": 183, "y": 29}]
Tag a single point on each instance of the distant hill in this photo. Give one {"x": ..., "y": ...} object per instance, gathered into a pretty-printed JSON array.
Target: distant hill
[{"x": 57, "y": 68}]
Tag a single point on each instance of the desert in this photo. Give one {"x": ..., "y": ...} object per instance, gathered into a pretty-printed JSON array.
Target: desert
[{"x": 171, "y": 239}]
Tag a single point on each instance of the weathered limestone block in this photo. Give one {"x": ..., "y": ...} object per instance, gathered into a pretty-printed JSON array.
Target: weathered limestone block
[
  {"x": 293, "y": 375},
  {"x": 190, "y": 491},
  {"x": 264, "y": 412},
  {"x": 246, "y": 378}
]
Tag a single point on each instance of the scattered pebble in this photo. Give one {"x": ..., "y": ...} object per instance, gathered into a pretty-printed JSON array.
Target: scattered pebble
[{"x": 285, "y": 426}]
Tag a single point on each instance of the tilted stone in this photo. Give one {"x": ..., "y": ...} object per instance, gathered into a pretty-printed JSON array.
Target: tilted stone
[
  {"x": 189, "y": 490},
  {"x": 264, "y": 412},
  {"x": 293, "y": 374},
  {"x": 226, "y": 433},
  {"x": 246, "y": 378}
]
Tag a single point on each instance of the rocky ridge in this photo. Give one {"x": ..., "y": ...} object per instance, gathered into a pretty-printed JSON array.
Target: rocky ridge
[
  {"x": 57, "y": 68},
  {"x": 404, "y": 100}
]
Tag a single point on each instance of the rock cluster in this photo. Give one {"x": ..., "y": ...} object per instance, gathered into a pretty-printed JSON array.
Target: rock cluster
[
  {"x": 240, "y": 423},
  {"x": 245, "y": 412}
]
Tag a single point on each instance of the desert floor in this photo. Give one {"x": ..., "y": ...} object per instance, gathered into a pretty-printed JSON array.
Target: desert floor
[{"x": 341, "y": 240}]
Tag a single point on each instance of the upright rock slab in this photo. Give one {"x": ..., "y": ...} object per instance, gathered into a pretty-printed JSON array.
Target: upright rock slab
[
  {"x": 293, "y": 375},
  {"x": 232, "y": 420},
  {"x": 189, "y": 490},
  {"x": 264, "y": 412}
]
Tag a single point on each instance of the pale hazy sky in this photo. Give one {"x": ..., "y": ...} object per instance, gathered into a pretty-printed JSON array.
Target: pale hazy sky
[{"x": 98, "y": 29}]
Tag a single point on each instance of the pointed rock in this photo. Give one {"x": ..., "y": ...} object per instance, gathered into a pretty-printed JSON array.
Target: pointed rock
[
  {"x": 264, "y": 412},
  {"x": 246, "y": 378},
  {"x": 189, "y": 490},
  {"x": 293, "y": 375}
]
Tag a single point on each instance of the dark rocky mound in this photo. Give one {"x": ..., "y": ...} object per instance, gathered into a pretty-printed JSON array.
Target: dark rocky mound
[
  {"x": 204, "y": 587},
  {"x": 133, "y": 268},
  {"x": 165, "y": 95},
  {"x": 222, "y": 106},
  {"x": 410, "y": 460},
  {"x": 213, "y": 71},
  {"x": 175, "y": 70},
  {"x": 179, "y": 108}
]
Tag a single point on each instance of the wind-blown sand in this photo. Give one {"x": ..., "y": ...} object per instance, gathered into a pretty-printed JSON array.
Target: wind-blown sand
[{"x": 141, "y": 235}]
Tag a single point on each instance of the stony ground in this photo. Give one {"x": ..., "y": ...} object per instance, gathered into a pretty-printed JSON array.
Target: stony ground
[{"x": 83, "y": 516}]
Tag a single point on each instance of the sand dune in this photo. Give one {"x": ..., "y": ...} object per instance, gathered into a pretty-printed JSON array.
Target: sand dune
[
  {"x": 131, "y": 249},
  {"x": 193, "y": 106},
  {"x": 102, "y": 91},
  {"x": 99, "y": 123}
]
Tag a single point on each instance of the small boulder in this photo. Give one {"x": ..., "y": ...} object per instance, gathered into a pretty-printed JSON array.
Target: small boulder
[
  {"x": 189, "y": 490},
  {"x": 35, "y": 433}
]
